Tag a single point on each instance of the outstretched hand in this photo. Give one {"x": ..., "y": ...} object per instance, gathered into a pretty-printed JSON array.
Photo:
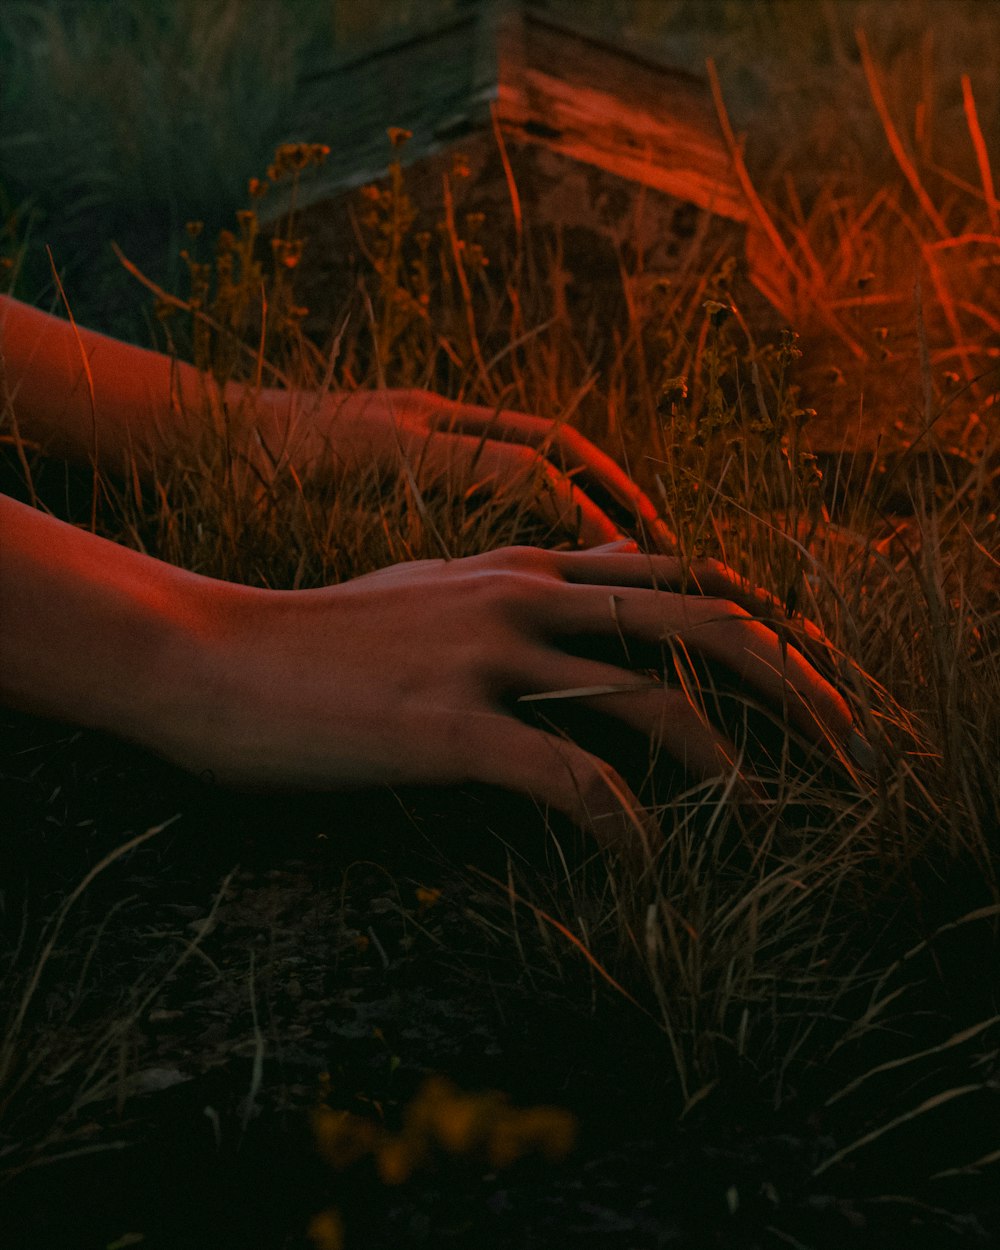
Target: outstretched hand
[
  {"x": 440, "y": 440},
  {"x": 81, "y": 394},
  {"x": 402, "y": 676}
]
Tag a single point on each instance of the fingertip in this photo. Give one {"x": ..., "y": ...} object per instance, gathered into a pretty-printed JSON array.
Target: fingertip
[
  {"x": 619, "y": 822},
  {"x": 861, "y": 751},
  {"x": 663, "y": 537},
  {"x": 557, "y": 772}
]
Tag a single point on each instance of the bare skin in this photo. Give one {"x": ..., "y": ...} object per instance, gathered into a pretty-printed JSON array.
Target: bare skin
[
  {"x": 145, "y": 406},
  {"x": 328, "y": 688}
]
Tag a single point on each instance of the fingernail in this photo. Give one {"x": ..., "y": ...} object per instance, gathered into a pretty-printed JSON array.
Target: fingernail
[{"x": 861, "y": 751}]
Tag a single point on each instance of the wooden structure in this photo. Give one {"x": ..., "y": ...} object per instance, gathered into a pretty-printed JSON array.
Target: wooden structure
[
  {"x": 446, "y": 66},
  {"x": 612, "y": 151},
  {"x": 589, "y": 125},
  {"x": 618, "y": 160}
]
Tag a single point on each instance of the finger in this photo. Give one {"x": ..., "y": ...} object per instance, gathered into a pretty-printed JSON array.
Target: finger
[
  {"x": 508, "y": 466},
  {"x": 713, "y": 628},
  {"x": 705, "y": 577},
  {"x": 668, "y": 716},
  {"x": 569, "y": 450},
  {"x": 673, "y": 721},
  {"x": 504, "y": 752}
]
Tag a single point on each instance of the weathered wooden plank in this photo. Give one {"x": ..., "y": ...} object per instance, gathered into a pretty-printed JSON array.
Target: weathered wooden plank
[
  {"x": 578, "y": 95},
  {"x": 610, "y": 107},
  {"x": 595, "y": 126}
]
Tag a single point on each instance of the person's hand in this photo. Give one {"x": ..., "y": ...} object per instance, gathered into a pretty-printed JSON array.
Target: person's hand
[
  {"x": 440, "y": 440},
  {"x": 401, "y": 676},
  {"x": 149, "y": 408}
]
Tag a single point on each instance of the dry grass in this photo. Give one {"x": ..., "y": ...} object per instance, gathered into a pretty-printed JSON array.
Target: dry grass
[{"x": 810, "y": 944}]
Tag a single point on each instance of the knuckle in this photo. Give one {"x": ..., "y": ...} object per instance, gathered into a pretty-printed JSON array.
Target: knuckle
[
  {"x": 525, "y": 459},
  {"x": 601, "y": 786},
  {"x": 551, "y": 477},
  {"x": 710, "y": 610},
  {"x": 416, "y": 404},
  {"x": 713, "y": 576},
  {"x": 521, "y": 560},
  {"x": 717, "y": 567},
  {"x": 520, "y": 593},
  {"x": 568, "y": 439},
  {"x": 720, "y": 619},
  {"x": 733, "y": 613},
  {"x": 507, "y": 593}
]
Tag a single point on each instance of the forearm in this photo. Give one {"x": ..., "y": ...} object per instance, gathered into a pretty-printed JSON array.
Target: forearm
[
  {"x": 79, "y": 394},
  {"x": 98, "y": 635}
]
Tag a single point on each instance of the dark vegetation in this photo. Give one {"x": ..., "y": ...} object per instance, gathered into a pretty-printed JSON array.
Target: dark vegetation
[{"x": 383, "y": 1019}]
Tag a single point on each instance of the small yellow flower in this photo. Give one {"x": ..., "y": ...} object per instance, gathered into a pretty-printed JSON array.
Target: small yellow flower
[
  {"x": 395, "y": 1160},
  {"x": 426, "y": 897},
  {"x": 717, "y": 311},
  {"x": 326, "y": 1230},
  {"x": 341, "y": 1137},
  {"x": 458, "y": 1125},
  {"x": 398, "y": 136}
]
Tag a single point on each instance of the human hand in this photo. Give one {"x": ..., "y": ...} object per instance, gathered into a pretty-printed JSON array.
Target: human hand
[
  {"x": 401, "y": 676},
  {"x": 441, "y": 440},
  {"x": 151, "y": 408}
]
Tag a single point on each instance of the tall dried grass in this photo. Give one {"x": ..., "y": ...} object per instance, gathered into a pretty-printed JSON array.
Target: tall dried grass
[{"x": 809, "y": 945}]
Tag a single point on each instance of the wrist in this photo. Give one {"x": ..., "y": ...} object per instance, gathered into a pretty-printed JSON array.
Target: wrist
[
  {"x": 279, "y": 427},
  {"x": 100, "y": 636},
  {"x": 160, "y": 671},
  {"x": 253, "y": 692},
  {"x": 198, "y": 689},
  {"x": 315, "y": 432}
]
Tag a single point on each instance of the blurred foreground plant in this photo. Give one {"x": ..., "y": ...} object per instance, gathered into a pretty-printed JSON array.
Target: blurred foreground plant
[{"x": 440, "y": 1121}]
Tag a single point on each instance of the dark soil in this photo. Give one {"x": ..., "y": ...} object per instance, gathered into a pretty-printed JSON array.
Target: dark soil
[{"x": 315, "y": 955}]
